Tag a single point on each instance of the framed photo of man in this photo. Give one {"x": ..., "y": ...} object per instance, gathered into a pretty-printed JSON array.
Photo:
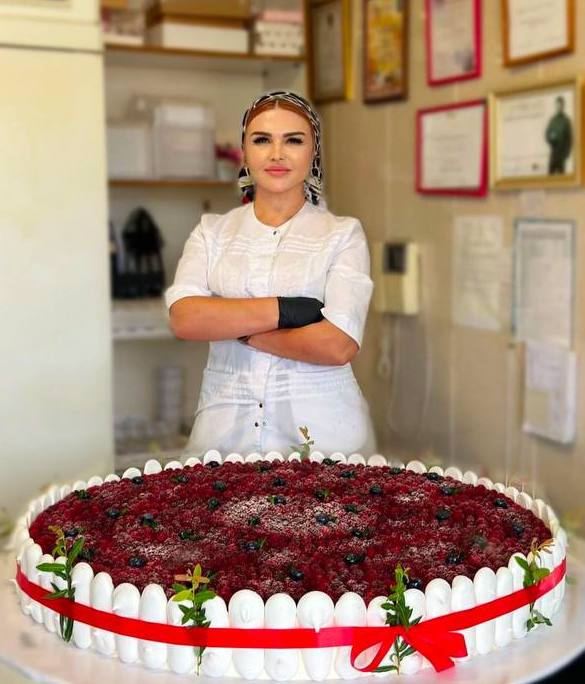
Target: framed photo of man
[
  {"x": 329, "y": 49},
  {"x": 534, "y": 30},
  {"x": 535, "y": 136},
  {"x": 385, "y": 50}
]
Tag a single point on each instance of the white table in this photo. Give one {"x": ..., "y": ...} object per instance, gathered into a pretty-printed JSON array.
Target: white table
[{"x": 28, "y": 648}]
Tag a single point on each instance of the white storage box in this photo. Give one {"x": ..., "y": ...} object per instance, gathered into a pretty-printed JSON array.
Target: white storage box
[
  {"x": 184, "y": 140},
  {"x": 129, "y": 149},
  {"x": 198, "y": 36}
]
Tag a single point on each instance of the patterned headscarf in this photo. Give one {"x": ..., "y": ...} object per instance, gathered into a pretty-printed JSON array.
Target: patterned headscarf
[{"x": 314, "y": 181}]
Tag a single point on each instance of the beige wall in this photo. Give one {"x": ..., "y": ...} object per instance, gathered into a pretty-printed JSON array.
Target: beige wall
[{"x": 473, "y": 378}]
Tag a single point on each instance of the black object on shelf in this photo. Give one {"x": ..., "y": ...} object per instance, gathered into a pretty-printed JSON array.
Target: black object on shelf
[{"x": 142, "y": 274}]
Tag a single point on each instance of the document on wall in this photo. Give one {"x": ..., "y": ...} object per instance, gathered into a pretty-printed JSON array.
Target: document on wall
[
  {"x": 550, "y": 391},
  {"x": 477, "y": 272},
  {"x": 544, "y": 264}
]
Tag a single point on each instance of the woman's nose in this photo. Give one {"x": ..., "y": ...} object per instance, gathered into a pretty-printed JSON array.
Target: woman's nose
[{"x": 277, "y": 150}]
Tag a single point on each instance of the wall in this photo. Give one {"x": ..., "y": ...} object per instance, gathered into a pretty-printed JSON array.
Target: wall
[
  {"x": 468, "y": 380},
  {"x": 55, "y": 361}
]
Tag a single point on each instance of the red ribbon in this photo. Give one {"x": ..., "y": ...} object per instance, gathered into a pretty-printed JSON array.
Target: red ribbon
[{"x": 437, "y": 639}]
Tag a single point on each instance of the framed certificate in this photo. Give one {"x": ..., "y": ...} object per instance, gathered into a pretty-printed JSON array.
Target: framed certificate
[
  {"x": 535, "y": 136},
  {"x": 329, "y": 49},
  {"x": 451, "y": 149},
  {"x": 537, "y": 30},
  {"x": 385, "y": 51},
  {"x": 453, "y": 40}
]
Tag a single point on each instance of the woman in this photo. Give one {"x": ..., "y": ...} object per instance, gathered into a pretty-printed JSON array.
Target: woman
[{"x": 280, "y": 287}]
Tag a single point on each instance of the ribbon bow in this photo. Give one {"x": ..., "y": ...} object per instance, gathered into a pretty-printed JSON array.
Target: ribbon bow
[{"x": 436, "y": 644}]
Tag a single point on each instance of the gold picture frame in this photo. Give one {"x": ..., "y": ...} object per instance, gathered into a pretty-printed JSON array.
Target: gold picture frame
[
  {"x": 328, "y": 33},
  {"x": 385, "y": 50},
  {"x": 535, "y": 136},
  {"x": 534, "y": 24}
]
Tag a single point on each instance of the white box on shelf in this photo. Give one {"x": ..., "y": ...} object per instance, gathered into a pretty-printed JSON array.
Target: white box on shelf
[
  {"x": 184, "y": 140},
  {"x": 192, "y": 36},
  {"x": 129, "y": 149}
]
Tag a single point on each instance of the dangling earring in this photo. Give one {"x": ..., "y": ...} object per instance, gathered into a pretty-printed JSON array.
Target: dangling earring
[{"x": 246, "y": 184}]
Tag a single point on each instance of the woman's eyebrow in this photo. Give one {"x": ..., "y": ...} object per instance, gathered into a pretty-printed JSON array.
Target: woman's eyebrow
[{"x": 285, "y": 134}]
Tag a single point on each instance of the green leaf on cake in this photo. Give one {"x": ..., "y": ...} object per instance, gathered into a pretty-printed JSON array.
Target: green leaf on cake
[
  {"x": 533, "y": 574},
  {"x": 64, "y": 573},
  {"x": 197, "y": 594},
  {"x": 398, "y": 614}
]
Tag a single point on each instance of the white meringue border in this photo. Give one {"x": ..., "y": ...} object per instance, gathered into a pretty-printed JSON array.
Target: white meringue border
[{"x": 315, "y": 609}]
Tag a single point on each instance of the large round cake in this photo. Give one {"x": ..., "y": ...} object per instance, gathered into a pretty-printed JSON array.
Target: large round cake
[{"x": 326, "y": 533}]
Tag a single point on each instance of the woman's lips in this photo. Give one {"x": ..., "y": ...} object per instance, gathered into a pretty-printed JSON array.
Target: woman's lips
[{"x": 277, "y": 172}]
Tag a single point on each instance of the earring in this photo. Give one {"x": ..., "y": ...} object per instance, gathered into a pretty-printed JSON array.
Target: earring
[{"x": 244, "y": 178}]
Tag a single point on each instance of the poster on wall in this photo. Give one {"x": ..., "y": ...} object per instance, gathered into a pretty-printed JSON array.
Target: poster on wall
[
  {"x": 385, "y": 52},
  {"x": 453, "y": 40},
  {"x": 544, "y": 281},
  {"x": 537, "y": 29},
  {"x": 451, "y": 149},
  {"x": 535, "y": 136},
  {"x": 477, "y": 275}
]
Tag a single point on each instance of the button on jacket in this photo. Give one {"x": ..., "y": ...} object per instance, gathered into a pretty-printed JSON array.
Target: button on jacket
[{"x": 253, "y": 401}]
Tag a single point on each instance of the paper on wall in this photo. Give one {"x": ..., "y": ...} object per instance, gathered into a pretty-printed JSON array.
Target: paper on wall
[
  {"x": 477, "y": 272},
  {"x": 544, "y": 280},
  {"x": 550, "y": 391}
]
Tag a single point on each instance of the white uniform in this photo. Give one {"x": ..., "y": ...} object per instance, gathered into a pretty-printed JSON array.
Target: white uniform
[{"x": 255, "y": 401}]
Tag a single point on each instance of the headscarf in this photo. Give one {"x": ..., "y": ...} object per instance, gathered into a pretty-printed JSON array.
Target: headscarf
[{"x": 313, "y": 185}]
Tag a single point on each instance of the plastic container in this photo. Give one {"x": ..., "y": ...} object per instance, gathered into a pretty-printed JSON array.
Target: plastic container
[{"x": 184, "y": 140}]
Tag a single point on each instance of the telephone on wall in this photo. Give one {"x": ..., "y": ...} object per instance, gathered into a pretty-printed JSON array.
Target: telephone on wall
[{"x": 395, "y": 267}]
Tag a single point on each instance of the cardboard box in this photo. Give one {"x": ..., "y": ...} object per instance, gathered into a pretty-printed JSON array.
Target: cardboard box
[
  {"x": 190, "y": 35},
  {"x": 228, "y": 9}
]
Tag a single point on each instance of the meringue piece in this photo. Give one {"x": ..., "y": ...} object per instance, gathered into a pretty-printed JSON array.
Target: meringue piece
[
  {"x": 462, "y": 598},
  {"x": 315, "y": 609},
  {"x": 436, "y": 469},
  {"x": 486, "y": 482},
  {"x": 129, "y": 473},
  {"x": 152, "y": 466},
  {"x": 101, "y": 589},
  {"x": 112, "y": 477},
  {"x": 216, "y": 661},
  {"x": 438, "y": 598},
  {"x": 416, "y": 466},
  {"x": 94, "y": 481},
  {"x": 273, "y": 456},
  {"x": 81, "y": 577},
  {"x": 338, "y": 457},
  {"x": 416, "y": 600},
  {"x": 30, "y": 560},
  {"x": 174, "y": 465},
  {"x": 376, "y": 617},
  {"x": 316, "y": 457},
  {"x": 153, "y": 608},
  {"x": 192, "y": 461},
  {"x": 377, "y": 460},
  {"x": 126, "y": 603},
  {"x": 520, "y": 615},
  {"x": 50, "y": 617},
  {"x": 212, "y": 455},
  {"x": 253, "y": 457},
  {"x": 280, "y": 612},
  {"x": 356, "y": 459},
  {"x": 181, "y": 659},
  {"x": 504, "y": 586},
  {"x": 453, "y": 472},
  {"x": 246, "y": 611},
  {"x": 234, "y": 458},
  {"x": 350, "y": 610},
  {"x": 469, "y": 477},
  {"x": 484, "y": 583}
]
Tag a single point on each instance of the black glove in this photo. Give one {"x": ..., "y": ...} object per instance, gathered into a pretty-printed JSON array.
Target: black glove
[{"x": 295, "y": 312}]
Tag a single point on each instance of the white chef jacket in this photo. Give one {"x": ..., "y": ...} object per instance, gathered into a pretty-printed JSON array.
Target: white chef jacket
[{"x": 253, "y": 401}]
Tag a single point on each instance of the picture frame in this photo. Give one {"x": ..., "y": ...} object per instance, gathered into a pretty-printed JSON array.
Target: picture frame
[
  {"x": 452, "y": 149},
  {"x": 535, "y": 136},
  {"x": 328, "y": 32},
  {"x": 453, "y": 40},
  {"x": 532, "y": 31},
  {"x": 385, "y": 50}
]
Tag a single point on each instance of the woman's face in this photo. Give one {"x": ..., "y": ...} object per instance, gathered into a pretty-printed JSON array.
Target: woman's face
[{"x": 278, "y": 150}]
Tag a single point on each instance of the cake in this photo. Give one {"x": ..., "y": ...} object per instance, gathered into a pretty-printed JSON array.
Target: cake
[{"x": 291, "y": 544}]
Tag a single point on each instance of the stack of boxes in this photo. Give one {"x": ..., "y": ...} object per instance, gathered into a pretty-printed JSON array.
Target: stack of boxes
[{"x": 279, "y": 32}]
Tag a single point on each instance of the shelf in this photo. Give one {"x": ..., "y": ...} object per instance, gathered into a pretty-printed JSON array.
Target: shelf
[
  {"x": 141, "y": 319},
  {"x": 170, "y": 183},
  {"x": 155, "y": 56}
]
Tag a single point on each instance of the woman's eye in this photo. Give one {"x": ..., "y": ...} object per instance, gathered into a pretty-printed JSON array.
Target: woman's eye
[
  {"x": 260, "y": 139},
  {"x": 295, "y": 141}
]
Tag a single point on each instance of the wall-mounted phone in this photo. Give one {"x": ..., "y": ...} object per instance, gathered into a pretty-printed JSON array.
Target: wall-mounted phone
[{"x": 395, "y": 267}]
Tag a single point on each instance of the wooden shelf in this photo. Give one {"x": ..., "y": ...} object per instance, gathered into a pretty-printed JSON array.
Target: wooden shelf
[
  {"x": 153, "y": 56},
  {"x": 169, "y": 183}
]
